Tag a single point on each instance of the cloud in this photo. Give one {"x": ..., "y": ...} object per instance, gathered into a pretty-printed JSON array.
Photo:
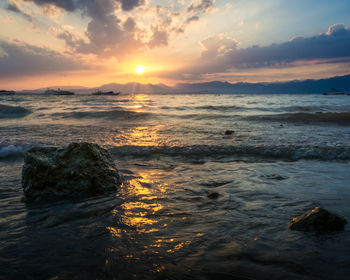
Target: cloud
[
  {"x": 217, "y": 46},
  {"x": 53, "y": 8},
  {"x": 68, "y": 5},
  {"x": 192, "y": 13},
  {"x": 200, "y": 6},
  {"x": 106, "y": 34},
  {"x": 186, "y": 23},
  {"x": 128, "y": 5},
  {"x": 130, "y": 24},
  {"x": 20, "y": 59},
  {"x": 108, "y": 38},
  {"x": 222, "y": 54},
  {"x": 13, "y": 7},
  {"x": 159, "y": 38},
  {"x": 113, "y": 35},
  {"x": 91, "y": 6},
  {"x": 337, "y": 30}
]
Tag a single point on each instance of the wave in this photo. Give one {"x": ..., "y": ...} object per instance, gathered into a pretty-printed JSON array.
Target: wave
[
  {"x": 13, "y": 151},
  {"x": 317, "y": 109},
  {"x": 284, "y": 152},
  {"x": 112, "y": 114},
  {"x": 288, "y": 152},
  {"x": 288, "y": 109},
  {"x": 7, "y": 111},
  {"x": 307, "y": 118},
  {"x": 209, "y": 108}
]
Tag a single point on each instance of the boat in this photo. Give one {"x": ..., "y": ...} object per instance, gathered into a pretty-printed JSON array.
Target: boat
[
  {"x": 334, "y": 92},
  {"x": 58, "y": 92},
  {"x": 99, "y": 92},
  {"x": 7, "y": 92}
]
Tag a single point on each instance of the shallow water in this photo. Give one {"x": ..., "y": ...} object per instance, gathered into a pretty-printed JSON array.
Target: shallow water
[{"x": 172, "y": 152}]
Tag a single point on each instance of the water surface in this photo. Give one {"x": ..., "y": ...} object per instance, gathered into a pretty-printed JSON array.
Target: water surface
[{"x": 288, "y": 154}]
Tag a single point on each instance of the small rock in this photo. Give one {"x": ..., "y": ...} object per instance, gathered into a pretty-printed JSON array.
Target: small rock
[
  {"x": 229, "y": 132},
  {"x": 213, "y": 195},
  {"x": 275, "y": 177},
  {"x": 79, "y": 169},
  {"x": 318, "y": 220}
]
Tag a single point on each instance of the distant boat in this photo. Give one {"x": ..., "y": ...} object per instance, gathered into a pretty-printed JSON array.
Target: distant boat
[
  {"x": 7, "y": 92},
  {"x": 58, "y": 92},
  {"x": 334, "y": 92},
  {"x": 99, "y": 92}
]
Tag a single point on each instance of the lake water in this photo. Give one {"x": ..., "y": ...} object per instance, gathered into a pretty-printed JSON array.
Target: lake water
[{"x": 286, "y": 155}]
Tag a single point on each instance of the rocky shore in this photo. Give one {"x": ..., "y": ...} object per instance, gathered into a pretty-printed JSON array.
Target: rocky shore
[{"x": 78, "y": 169}]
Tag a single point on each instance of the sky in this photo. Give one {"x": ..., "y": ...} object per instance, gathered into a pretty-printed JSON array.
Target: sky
[{"x": 94, "y": 42}]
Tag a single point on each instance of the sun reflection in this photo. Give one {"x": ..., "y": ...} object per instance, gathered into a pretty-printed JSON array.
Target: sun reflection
[
  {"x": 179, "y": 246},
  {"x": 115, "y": 232},
  {"x": 136, "y": 188},
  {"x": 144, "y": 136},
  {"x": 140, "y": 214},
  {"x": 140, "y": 187}
]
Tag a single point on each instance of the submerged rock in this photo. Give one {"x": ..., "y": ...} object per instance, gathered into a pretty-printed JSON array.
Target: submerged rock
[
  {"x": 275, "y": 177},
  {"x": 318, "y": 219},
  {"x": 78, "y": 169},
  {"x": 229, "y": 132},
  {"x": 213, "y": 195}
]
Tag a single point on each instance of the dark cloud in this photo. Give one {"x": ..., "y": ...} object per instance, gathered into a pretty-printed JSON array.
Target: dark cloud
[
  {"x": 191, "y": 19},
  {"x": 72, "y": 5},
  {"x": 130, "y": 24},
  {"x": 107, "y": 38},
  {"x": 128, "y": 5},
  {"x": 71, "y": 40},
  {"x": 13, "y": 7},
  {"x": 188, "y": 21},
  {"x": 193, "y": 11},
  {"x": 221, "y": 54},
  {"x": 337, "y": 30},
  {"x": 106, "y": 34},
  {"x": 159, "y": 38},
  {"x": 20, "y": 59},
  {"x": 68, "y": 5},
  {"x": 200, "y": 6}
]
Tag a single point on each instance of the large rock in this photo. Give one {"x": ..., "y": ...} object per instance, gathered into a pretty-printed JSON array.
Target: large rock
[
  {"x": 317, "y": 219},
  {"x": 79, "y": 169}
]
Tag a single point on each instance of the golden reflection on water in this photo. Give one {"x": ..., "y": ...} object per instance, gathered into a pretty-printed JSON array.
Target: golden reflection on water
[
  {"x": 141, "y": 214},
  {"x": 179, "y": 246},
  {"x": 136, "y": 136},
  {"x": 115, "y": 232},
  {"x": 144, "y": 136}
]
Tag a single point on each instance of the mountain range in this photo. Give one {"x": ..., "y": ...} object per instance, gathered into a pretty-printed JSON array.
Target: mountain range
[{"x": 340, "y": 83}]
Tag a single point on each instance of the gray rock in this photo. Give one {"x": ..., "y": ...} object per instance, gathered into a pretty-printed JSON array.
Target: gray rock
[
  {"x": 318, "y": 220},
  {"x": 79, "y": 169}
]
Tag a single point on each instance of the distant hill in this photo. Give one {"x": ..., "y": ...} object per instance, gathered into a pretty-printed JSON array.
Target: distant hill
[
  {"x": 137, "y": 88},
  {"x": 341, "y": 83}
]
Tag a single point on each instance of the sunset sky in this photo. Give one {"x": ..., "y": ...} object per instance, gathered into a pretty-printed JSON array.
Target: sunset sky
[{"x": 94, "y": 42}]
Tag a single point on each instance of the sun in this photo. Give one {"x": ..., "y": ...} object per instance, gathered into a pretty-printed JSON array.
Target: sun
[{"x": 140, "y": 69}]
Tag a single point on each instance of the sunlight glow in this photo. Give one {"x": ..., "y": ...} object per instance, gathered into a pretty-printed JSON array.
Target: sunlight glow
[{"x": 140, "y": 69}]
